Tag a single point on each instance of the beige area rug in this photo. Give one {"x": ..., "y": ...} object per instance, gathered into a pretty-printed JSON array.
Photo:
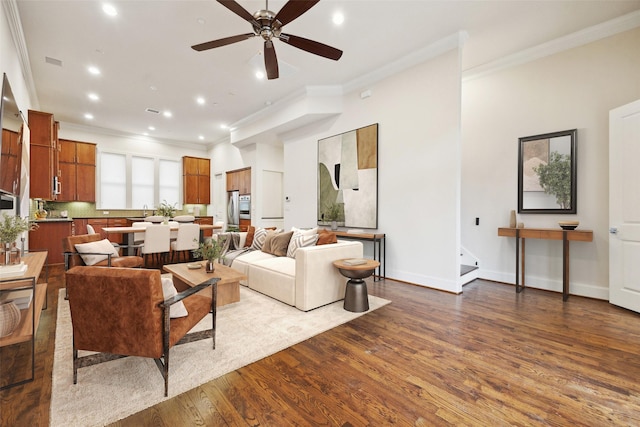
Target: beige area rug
[{"x": 247, "y": 331}]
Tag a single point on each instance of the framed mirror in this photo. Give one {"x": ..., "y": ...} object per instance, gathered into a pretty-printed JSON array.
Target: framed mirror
[{"x": 547, "y": 173}]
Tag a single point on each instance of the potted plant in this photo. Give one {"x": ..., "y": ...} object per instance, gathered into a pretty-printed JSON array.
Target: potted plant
[
  {"x": 10, "y": 228},
  {"x": 210, "y": 250},
  {"x": 332, "y": 214},
  {"x": 166, "y": 210}
]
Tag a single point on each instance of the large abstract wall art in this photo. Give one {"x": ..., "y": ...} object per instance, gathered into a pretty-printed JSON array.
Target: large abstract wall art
[{"x": 348, "y": 178}]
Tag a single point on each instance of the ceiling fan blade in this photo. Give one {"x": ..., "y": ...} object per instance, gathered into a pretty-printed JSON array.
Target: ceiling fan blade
[
  {"x": 222, "y": 42},
  {"x": 311, "y": 46},
  {"x": 270, "y": 60},
  {"x": 292, "y": 9},
  {"x": 240, "y": 11}
]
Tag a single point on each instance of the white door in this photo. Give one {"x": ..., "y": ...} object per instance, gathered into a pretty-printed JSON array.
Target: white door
[{"x": 624, "y": 206}]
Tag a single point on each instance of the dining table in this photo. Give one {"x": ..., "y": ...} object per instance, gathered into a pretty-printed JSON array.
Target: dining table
[{"x": 129, "y": 232}]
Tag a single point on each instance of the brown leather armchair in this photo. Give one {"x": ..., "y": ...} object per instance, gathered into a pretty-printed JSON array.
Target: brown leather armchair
[
  {"x": 121, "y": 312},
  {"x": 72, "y": 258}
]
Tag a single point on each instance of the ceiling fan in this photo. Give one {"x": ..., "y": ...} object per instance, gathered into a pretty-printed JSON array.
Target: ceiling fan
[{"x": 269, "y": 25}]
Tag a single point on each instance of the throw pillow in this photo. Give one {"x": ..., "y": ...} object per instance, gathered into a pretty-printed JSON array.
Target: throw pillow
[
  {"x": 258, "y": 238},
  {"x": 305, "y": 231},
  {"x": 94, "y": 252},
  {"x": 326, "y": 237},
  {"x": 299, "y": 240},
  {"x": 249, "y": 240},
  {"x": 277, "y": 243},
  {"x": 169, "y": 290}
]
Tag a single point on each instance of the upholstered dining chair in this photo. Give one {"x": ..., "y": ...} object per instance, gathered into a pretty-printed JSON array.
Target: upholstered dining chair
[
  {"x": 120, "y": 312},
  {"x": 156, "y": 242},
  {"x": 187, "y": 240}
]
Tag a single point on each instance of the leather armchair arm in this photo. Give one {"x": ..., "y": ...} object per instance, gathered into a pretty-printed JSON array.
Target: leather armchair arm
[
  {"x": 188, "y": 292},
  {"x": 69, "y": 254}
]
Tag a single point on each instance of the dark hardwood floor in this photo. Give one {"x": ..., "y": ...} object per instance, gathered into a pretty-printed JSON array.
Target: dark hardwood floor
[{"x": 487, "y": 357}]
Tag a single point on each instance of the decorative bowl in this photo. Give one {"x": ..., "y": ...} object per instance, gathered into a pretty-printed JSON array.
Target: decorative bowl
[{"x": 568, "y": 225}]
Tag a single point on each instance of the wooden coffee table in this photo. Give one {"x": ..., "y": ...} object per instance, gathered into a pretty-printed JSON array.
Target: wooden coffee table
[{"x": 228, "y": 285}]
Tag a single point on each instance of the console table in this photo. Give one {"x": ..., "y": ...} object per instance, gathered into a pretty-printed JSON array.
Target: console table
[
  {"x": 378, "y": 243},
  {"x": 549, "y": 234},
  {"x": 30, "y": 316}
]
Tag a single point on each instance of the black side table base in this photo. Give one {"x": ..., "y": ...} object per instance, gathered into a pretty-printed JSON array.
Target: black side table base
[{"x": 356, "y": 298}]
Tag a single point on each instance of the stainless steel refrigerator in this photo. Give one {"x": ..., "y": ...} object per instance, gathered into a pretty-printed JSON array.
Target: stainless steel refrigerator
[{"x": 233, "y": 209}]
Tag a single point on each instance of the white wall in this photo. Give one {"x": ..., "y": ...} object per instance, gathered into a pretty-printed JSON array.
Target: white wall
[
  {"x": 10, "y": 64},
  {"x": 418, "y": 112},
  {"x": 573, "y": 89}
]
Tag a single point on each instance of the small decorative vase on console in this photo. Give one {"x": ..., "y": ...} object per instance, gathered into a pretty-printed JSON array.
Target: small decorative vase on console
[{"x": 512, "y": 219}]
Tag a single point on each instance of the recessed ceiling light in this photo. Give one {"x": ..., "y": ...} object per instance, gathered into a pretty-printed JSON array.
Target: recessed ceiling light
[
  {"x": 93, "y": 97},
  {"x": 109, "y": 9},
  {"x": 201, "y": 21},
  {"x": 88, "y": 116},
  {"x": 145, "y": 133},
  {"x": 338, "y": 18},
  {"x": 223, "y": 126},
  {"x": 167, "y": 114},
  {"x": 200, "y": 100},
  {"x": 260, "y": 75},
  {"x": 94, "y": 70},
  {"x": 151, "y": 128},
  {"x": 200, "y": 137}
]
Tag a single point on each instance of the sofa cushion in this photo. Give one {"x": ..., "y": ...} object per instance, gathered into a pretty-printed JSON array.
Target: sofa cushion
[
  {"x": 277, "y": 243},
  {"x": 275, "y": 277},
  {"x": 169, "y": 290},
  {"x": 94, "y": 252},
  {"x": 299, "y": 240},
  {"x": 242, "y": 262},
  {"x": 326, "y": 237}
]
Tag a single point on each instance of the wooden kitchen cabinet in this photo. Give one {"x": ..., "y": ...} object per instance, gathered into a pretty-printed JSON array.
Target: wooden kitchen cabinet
[
  {"x": 196, "y": 179},
  {"x": 44, "y": 155},
  {"x": 77, "y": 171},
  {"x": 10, "y": 161},
  {"x": 239, "y": 180},
  {"x": 48, "y": 236}
]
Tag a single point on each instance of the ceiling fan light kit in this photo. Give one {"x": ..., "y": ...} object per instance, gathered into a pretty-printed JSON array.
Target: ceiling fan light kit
[{"x": 268, "y": 25}]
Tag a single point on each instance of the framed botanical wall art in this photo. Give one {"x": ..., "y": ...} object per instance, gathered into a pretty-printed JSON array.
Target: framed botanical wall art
[
  {"x": 547, "y": 173},
  {"x": 348, "y": 178}
]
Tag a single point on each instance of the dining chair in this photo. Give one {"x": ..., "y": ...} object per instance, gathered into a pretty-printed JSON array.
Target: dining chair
[
  {"x": 187, "y": 241},
  {"x": 173, "y": 225},
  {"x": 156, "y": 242}
]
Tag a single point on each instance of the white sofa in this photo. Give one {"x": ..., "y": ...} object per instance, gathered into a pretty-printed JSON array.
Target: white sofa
[{"x": 306, "y": 282}]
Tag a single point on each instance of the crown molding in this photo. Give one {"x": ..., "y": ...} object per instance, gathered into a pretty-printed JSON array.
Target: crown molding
[
  {"x": 455, "y": 40},
  {"x": 579, "y": 38},
  {"x": 17, "y": 34}
]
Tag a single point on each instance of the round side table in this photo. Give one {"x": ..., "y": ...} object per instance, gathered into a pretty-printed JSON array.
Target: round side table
[{"x": 356, "y": 298}]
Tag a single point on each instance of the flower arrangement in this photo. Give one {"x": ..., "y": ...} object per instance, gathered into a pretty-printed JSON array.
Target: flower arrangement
[
  {"x": 166, "y": 210},
  {"x": 210, "y": 249},
  {"x": 11, "y": 226}
]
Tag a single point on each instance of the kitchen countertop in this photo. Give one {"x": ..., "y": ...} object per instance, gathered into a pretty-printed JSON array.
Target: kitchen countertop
[{"x": 53, "y": 220}]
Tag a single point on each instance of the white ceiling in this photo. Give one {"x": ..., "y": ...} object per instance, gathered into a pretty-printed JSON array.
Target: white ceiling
[{"x": 146, "y": 61}]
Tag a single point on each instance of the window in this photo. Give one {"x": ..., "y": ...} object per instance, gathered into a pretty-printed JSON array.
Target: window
[
  {"x": 113, "y": 181},
  {"x": 169, "y": 181},
  {"x": 131, "y": 182},
  {"x": 142, "y": 180}
]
